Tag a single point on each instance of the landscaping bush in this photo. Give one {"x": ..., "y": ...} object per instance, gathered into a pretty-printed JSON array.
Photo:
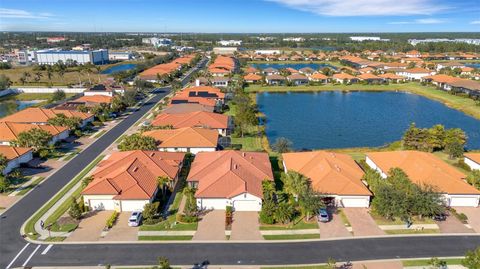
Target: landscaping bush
[
  {"x": 75, "y": 211},
  {"x": 112, "y": 219},
  {"x": 461, "y": 164},
  {"x": 460, "y": 216}
]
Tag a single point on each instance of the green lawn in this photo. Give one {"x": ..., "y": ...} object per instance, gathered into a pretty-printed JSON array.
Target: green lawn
[
  {"x": 165, "y": 238},
  {"x": 383, "y": 221},
  {"x": 31, "y": 186},
  {"x": 291, "y": 236},
  {"x": 55, "y": 239},
  {"x": 413, "y": 231},
  {"x": 251, "y": 141},
  {"x": 297, "y": 267},
  {"x": 64, "y": 228},
  {"x": 344, "y": 218},
  {"x": 463, "y": 104},
  {"x": 425, "y": 262},
  {"x": 301, "y": 225},
  {"x": 97, "y": 135},
  {"x": 170, "y": 226},
  {"x": 30, "y": 225}
]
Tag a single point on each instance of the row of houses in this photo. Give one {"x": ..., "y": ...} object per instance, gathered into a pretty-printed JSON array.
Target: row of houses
[
  {"x": 454, "y": 84},
  {"x": 152, "y": 74},
  {"x": 222, "y": 66}
]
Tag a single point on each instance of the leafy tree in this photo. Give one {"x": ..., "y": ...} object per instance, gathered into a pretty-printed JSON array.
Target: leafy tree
[
  {"x": 436, "y": 137},
  {"x": 437, "y": 263},
  {"x": 58, "y": 95},
  {"x": 86, "y": 181},
  {"x": 72, "y": 123},
  {"x": 129, "y": 97},
  {"x": 4, "y": 183},
  {"x": 164, "y": 263},
  {"x": 245, "y": 114},
  {"x": 163, "y": 183},
  {"x": 138, "y": 142},
  {"x": 35, "y": 138},
  {"x": 472, "y": 259},
  {"x": 295, "y": 184},
  {"x": 5, "y": 82},
  {"x": 282, "y": 145},
  {"x": 310, "y": 202},
  {"x": 74, "y": 211},
  {"x": 267, "y": 214},
  {"x": 3, "y": 162},
  {"x": 190, "y": 210},
  {"x": 284, "y": 213},
  {"x": 415, "y": 138},
  {"x": 474, "y": 178},
  {"x": 150, "y": 210}
]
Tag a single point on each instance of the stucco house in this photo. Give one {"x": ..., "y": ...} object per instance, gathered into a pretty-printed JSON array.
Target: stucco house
[
  {"x": 15, "y": 157},
  {"x": 187, "y": 139},
  {"x": 472, "y": 160}
]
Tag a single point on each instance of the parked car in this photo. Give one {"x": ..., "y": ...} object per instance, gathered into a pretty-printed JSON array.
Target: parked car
[
  {"x": 135, "y": 219},
  {"x": 439, "y": 217},
  {"x": 323, "y": 215}
]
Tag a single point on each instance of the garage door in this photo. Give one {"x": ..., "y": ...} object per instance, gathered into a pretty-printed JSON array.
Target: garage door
[
  {"x": 102, "y": 204},
  {"x": 464, "y": 201},
  {"x": 247, "y": 205},
  {"x": 133, "y": 205},
  {"x": 354, "y": 202}
]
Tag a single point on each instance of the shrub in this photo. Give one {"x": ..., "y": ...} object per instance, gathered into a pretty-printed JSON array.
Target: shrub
[
  {"x": 75, "y": 211},
  {"x": 112, "y": 219}
]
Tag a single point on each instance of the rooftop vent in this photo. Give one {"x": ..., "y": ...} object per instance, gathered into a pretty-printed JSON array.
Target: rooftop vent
[{"x": 135, "y": 169}]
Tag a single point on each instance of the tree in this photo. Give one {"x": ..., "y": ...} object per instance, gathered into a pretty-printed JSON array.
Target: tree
[
  {"x": 472, "y": 259},
  {"x": 284, "y": 213},
  {"x": 245, "y": 114},
  {"x": 129, "y": 97},
  {"x": 190, "y": 210},
  {"x": 3, "y": 162},
  {"x": 163, "y": 183},
  {"x": 35, "y": 138},
  {"x": 310, "y": 202},
  {"x": 74, "y": 211},
  {"x": 436, "y": 137},
  {"x": 38, "y": 76},
  {"x": 58, "y": 95},
  {"x": 138, "y": 142},
  {"x": 437, "y": 263},
  {"x": 474, "y": 178},
  {"x": 72, "y": 123},
  {"x": 282, "y": 145},
  {"x": 5, "y": 82},
  {"x": 150, "y": 210},
  {"x": 331, "y": 263},
  {"x": 164, "y": 263},
  {"x": 267, "y": 214},
  {"x": 294, "y": 184},
  {"x": 4, "y": 183}
]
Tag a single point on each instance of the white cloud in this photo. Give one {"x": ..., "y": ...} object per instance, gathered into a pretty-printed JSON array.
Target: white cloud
[
  {"x": 420, "y": 21},
  {"x": 22, "y": 14},
  {"x": 475, "y": 22},
  {"x": 364, "y": 7}
]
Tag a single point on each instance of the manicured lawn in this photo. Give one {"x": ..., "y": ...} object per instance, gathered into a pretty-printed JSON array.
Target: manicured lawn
[
  {"x": 297, "y": 267},
  {"x": 461, "y": 103},
  {"x": 64, "y": 228},
  {"x": 425, "y": 262},
  {"x": 252, "y": 139},
  {"x": 97, "y": 135},
  {"x": 413, "y": 231},
  {"x": 301, "y": 225},
  {"x": 31, "y": 186},
  {"x": 291, "y": 236},
  {"x": 383, "y": 221},
  {"x": 165, "y": 238},
  {"x": 32, "y": 96},
  {"x": 344, "y": 218},
  {"x": 170, "y": 226},
  {"x": 30, "y": 225},
  {"x": 55, "y": 239}
]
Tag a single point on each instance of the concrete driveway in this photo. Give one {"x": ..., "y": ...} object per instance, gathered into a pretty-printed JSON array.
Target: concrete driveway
[
  {"x": 245, "y": 226},
  {"x": 361, "y": 221},
  {"x": 334, "y": 228},
  {"x": 473, "y": 214},
  {"x": 90, "y": 227},
  {"x": 211, "y": 226},
  {"x": 453, "y": 225},
  {"x": 121, "y": 231}
]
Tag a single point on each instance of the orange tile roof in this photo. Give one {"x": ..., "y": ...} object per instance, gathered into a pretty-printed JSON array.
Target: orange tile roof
[
  {"x": 193, "y": 119},
  {"x": 160, "y": 69},
  {"x": 252, "y": 76},
  {"x": 390, "y": 76},
  {"x": 36, "y": 114},
  {"x": 318, "y": 76},
  {"x": 98, "y": 99},
  {"x": 417, "y": 70},
  {"x": 441, "y": 78},
  {"x": 251, "y": 69},
  {"x": 329, "y": 172},
  {"x": 424, "y": 168},
  {"x": 186, "y": 137},
  {"x": 132, "y": 175},
  {"x": 226, "y": 174},
  {"x": 366, "y": 76},
  {"x": 198, "y": 90},
  {"x": 343, "y": 76},
  {"x": 13, "y": 152},
  {"x": 9, "y": 131},
  {"x": 473, "y": 156}
]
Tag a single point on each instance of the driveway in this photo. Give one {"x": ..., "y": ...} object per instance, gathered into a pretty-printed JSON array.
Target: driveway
[
  {"x": 453, "y": 225},
  {"x": 378, "y": 265},
  {"x": 245, "y": 226},
  {"x": 473, "y": 214},
  {"x": 121, "y": 231},
  {"x": 361, "y": 221},
  {"x": 211, "y": 226},
  {"x": 334, "y": 228},
  {"x": 90, "y": 227}
]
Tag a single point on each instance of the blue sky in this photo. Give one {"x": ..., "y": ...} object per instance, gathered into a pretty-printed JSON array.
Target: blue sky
[{"x": 241, "y": 15}]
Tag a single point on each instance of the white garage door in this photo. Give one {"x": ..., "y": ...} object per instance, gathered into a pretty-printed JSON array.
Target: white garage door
[
  {"x": 218, "y": 204},
  {"x": 355, "y": 202},
  {"x": 133, "y": 205},
  {"x": 102, "y": 204},
  {"x": 247, "y": 205},
  {"x": 464, "y": 201}
]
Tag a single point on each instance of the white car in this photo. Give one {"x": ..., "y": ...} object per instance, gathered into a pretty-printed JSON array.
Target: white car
[{"x": 135, "y": 219}]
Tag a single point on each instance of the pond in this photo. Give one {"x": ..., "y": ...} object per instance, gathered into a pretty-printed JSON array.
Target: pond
[
  {"x": 355, "y": 119},
  {"x": 473, "y": 65},
  {"x": 118, "y": 68},
  {"x": 8, "y": 107},
  {"x": 296, "y": 66}
]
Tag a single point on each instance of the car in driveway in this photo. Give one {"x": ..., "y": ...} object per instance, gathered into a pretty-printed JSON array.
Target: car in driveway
[
  {"x": 323, "y": 215},
  {"x": 440, "y": 217},
  {"x": 135, "y": 219}
]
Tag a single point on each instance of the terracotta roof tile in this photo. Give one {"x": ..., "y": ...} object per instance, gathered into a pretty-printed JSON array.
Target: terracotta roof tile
[{"x": 185, "y": 138}]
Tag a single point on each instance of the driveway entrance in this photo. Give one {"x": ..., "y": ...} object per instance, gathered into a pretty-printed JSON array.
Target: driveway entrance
[
  {"x": 361, "y": 221},
  {"x": 245, "y": 226},
  {"x": 334, "y": 228},
  {"x": 90, "y": 227},
  {"x": 211, "y": 226},
  {"x": 473, "y": 214}
]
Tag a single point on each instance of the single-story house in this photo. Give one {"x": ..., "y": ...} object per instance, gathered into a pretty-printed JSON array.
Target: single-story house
[
  {"x": 40, "y": 116},
  {"x": 467, "y": 86},
  {"x": 318, "y": 77},
  {"x": 220, "y": 122},
  {"x": 415, "y": 73},
  {"x": 230, "y": 178},
  {"x": 9, "y": 131},
  {"x": 391, "y": 77},
  {"x": 252, "y": 78},
  {"x": 270, "y": 71},
  {"x": 126, "y": 181},
  {"x": 334, "y": 175},
  {"x": 441, "y": 81},
  {"x": 297, "y": 79},
  {"x": 15, "y": 157},
  {"x": 424, "y": 168},
  {"x": 344, "y": 77},
  {"x": 370, "y": 78},
  {"x": 187, "y": 108},
  {"x": 307, "y": 70},
  {"x": 275, "y": 79},
  {"x": 472, "y": 160},
  {"x": 187, "y": 139},
  {"x": 220, "y": 81}
]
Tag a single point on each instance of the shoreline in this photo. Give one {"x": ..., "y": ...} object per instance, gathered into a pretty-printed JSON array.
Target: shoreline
[{"x": 460, "y": 103}]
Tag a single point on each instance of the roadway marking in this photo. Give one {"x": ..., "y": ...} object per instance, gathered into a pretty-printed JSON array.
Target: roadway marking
[
  {"x": 47, "y": 249},
  {"x": 18, "y": 254},
  {"x": 31, "y": 255}
]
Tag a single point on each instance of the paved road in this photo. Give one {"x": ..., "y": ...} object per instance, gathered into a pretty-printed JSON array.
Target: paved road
[{"x": 12, "y": 245}]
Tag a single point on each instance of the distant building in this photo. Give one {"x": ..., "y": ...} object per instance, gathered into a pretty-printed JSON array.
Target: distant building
[
  {"x": 473, "y": 41},
  {"x": 120, "y": 55},
  {"x": 294, "y": 39},
  {"x": 225, "y": 50},
  {"x": 52, "y": 56},
  {"x": 157, "y": 42},
  {"x": 56, "y": 39},
  {"x": 268, "y": 52},
  {"x": 368, "y": 38},
  {"x": 230, "y": 42},
  {"x": 25, "y": 56}
]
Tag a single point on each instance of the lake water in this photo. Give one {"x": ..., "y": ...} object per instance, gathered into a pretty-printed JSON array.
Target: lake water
[
  {"x": 118, "y": 68},
  {"x": 296, "y": 66},
  {"x": 8, "y": 107},
  {"x": 473, "y": 65},
  {"x": 355, "y": 119}
]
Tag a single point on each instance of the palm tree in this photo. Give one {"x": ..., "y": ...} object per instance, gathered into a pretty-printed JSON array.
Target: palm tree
[
  {"x": 295, "y": 184},
  {"x": 163, "y": 183},
  {"x": 98, "y": 69},
  {"x": 38, "y": 75},
  {"x": 49, "y": 73},
  {"x": 284, "y": 213},
  {"x": 61, "y": 74}
]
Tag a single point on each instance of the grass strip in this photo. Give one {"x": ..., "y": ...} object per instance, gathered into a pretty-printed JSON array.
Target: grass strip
[
  {"x": 97, "y": 135},
  {"x": 291, "y": 236},
  {"x": 426, "y": 262},
  {"x": 165, "y": 238},
  {"x": 413, "y": 231},
  {"x": 31, "y": 186},
  {"x": 29, "y": 228}
]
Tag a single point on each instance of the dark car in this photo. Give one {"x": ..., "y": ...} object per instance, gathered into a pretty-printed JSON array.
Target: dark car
[{"x": 439, "y": 217}]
